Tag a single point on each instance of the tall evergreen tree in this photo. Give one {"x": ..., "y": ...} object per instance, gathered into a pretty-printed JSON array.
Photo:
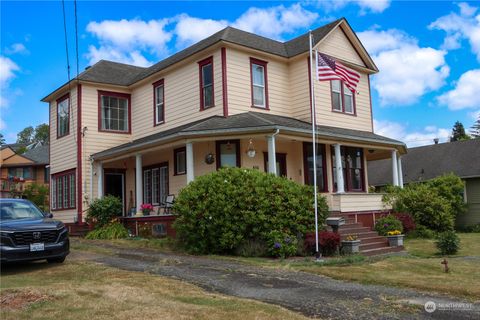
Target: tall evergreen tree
[
  {"x": 458, "y": 132},
  {"x": 475, "y": 129},
  {"x": 2, "y": 139}
]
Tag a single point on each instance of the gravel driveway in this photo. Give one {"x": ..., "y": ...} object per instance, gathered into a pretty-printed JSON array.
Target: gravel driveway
[{"x": 312, "y": 295}]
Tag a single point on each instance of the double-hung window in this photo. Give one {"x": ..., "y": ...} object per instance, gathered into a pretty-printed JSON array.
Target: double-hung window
[
  {"x": 343, "y": 99},
  {"x": 63, "y": 116},
  {"x": 114, "y": 112},
  {"x": 159, "y": 102},
  {"x": 258, "y": 71},
  {"x": 206, "y": 83},
  {"x": 155, "y": 184},
  {"x": 62, "y": 189}
]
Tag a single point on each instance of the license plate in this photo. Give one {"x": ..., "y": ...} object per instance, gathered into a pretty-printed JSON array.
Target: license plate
[{"x": 37, "y": 247}]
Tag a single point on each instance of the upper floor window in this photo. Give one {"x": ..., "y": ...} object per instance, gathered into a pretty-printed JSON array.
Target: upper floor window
[
  {"x": 159, "y": 101},
  {"x": 206, "y": 83},
  {"x": 23, "y": 172},
  {"x": 343, "y": 99},
  {"x": 258, "y": 71},
  {"x": 114, "y": 112},
  {"x": 63, "y": 116}
]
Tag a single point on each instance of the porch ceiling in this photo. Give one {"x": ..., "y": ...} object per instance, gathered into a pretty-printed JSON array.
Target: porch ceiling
[{"x": 248, "y": 123}]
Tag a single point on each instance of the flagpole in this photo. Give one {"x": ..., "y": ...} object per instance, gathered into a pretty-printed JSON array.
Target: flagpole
[{"x": 314, "y": 122}]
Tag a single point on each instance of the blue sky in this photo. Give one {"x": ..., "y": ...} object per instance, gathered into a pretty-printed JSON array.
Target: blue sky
[{"x": 428, "y": 52}]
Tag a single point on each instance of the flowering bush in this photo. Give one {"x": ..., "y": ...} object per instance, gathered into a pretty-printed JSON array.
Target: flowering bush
[
  {"x": 281, "y": 244},
  {"x": 146, "y": 208},
  {"x": 406, "y": 220},
  {"x": 388, "y": 223},
  {"x": 328, "y": 242},
  {"x": 394, "y": 233},
  {"x": 103, "y": 211}
]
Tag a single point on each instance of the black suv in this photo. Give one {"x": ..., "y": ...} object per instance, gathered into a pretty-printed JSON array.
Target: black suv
[{"x": 29, "y": 234}]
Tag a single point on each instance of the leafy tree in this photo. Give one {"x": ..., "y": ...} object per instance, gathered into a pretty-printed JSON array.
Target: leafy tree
[
  {"x": 458, "y": 132},
  {"x": 2, "y": 139},
  {"x": 475, "y": 129},
  {"x": 26, "y": 135},
  {"x": 38, "y": 194},
  {"x": 42, "y": 133}
]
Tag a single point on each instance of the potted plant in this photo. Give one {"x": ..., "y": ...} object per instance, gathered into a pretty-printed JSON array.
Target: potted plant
[
  {"x": 395, "y": 238},
  {"x": 146, "y": 208},
  {"x": 351, "y": 244}
]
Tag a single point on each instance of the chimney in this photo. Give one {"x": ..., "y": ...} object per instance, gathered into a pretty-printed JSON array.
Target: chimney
[{"x": 435, "y": 140}]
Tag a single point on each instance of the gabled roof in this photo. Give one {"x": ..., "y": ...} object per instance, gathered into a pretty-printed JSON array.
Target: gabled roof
[
  {"x": 114, "y": 73},
  {"x": 428, "y": 162},
  {"x": 39, "y": 154},
  {"x": 244, "y": 123}
]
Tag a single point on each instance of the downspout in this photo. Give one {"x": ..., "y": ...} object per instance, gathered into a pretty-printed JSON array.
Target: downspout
[{"x": 91, "y": 179}]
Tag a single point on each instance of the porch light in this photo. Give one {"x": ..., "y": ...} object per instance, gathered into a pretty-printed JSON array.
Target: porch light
[{"x": 251, "y": 152}]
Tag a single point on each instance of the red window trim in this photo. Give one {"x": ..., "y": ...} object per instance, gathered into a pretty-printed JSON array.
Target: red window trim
[
  {"x": 342, "y": 96},
  {"x": 324, "y": 166},
  {"x": 201, "y": 64},
  {"x": 57, "y": 175},
  {"x": 64, "y": 97},
  {"x": 118, "y": 95},
  {"x": 156, "y": 84},
  {"x": 175, "y": 165},
  {"x": 265, "y": 75},
  {"x": 348, "y": 187},
  {"x": 235, "y": 142}
]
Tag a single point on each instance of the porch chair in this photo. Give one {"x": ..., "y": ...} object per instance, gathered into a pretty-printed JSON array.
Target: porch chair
[{"x": 168, "y": 204}]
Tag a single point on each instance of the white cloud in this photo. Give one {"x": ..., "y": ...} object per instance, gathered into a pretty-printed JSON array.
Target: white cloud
[
  {"x": 190, "y": 30},
  {"x": 460, "y": 26},
  {"x": 2, "y": 124},
  {"x": 374, "y": 6},
  {"x": 124, "y": 40},
  {"x": 275, "y": 21},
  {"x": 16, "y": 48},
  {"x": 465, "y": 94},
  {"x": 8, "y": 68},
  {"x": 407, "y": 71},
  {"x": 399, "y": 131}
]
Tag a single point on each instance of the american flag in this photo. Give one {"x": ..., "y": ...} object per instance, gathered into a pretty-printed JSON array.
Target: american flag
[{"x": 329, "y": 69}]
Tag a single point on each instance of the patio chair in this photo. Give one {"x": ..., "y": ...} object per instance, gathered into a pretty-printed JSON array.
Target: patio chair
[{"x": 168, "y": 204}]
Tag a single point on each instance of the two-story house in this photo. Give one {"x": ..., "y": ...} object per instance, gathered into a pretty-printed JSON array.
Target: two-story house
[{"x": 232, "y": 99}]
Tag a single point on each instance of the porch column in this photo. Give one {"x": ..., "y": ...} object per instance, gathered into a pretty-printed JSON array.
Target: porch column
[
  {"x": 189, "y": 159},
  {"x": 394, "y": 168},
  {"x": 99, "y": 180},
  {"x": 400, "y": 173},
  {"x": 138, "y": 182},
  {"x": 339, "y": 169},
  {"x": 272, "y": 157}
]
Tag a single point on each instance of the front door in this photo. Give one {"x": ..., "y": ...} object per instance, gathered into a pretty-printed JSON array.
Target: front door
[
  {"x": 281, "y": 163},
  {"x": 115, "y": 186}
]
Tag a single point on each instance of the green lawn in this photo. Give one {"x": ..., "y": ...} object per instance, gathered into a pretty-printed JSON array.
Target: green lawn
[{"x": 84, "y": 290}]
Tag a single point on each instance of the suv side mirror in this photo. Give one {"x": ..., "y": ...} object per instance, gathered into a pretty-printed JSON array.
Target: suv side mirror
[{"x": 48, "y": 215}]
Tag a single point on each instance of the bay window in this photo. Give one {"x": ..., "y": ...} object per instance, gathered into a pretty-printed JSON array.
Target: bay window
[{"x": 114, "y": 112}]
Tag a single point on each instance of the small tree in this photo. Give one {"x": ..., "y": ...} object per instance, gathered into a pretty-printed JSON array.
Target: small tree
[{"x": 458, "y": 132}]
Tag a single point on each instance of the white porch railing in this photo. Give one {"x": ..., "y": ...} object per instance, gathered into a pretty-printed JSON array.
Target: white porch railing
[{"x": 355, "y": 202}]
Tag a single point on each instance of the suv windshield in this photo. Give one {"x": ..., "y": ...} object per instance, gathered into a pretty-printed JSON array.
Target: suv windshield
[{"x": 12, "y": 210}]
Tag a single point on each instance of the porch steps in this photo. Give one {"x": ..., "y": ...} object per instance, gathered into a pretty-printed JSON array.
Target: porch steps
[{"x": 371, "y": 243}]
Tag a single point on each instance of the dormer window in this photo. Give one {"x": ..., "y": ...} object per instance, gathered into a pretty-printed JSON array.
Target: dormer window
[
  {"x": 258, "y": 73},
  {"x": 206, "y": 83},
  {"x": 343, "y": 99}
]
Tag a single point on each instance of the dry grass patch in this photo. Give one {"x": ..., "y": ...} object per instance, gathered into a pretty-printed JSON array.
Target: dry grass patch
[{"x": 83, "y": 290}]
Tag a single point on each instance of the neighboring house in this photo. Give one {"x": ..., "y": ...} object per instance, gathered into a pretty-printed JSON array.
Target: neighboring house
[
  {"x": 144, "y": 133},
  {"x": 19, "y": 170},
  {"x": 424, "y": 163}
]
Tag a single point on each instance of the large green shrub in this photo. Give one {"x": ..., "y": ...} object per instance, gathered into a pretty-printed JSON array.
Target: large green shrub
[
  {"x": 388, "y": 223},
  {"x": 448, "y": 242},
  {"x": 426, "y": 206},
  {"x": 102, "y": 211},
  {"x": 451, "y": 188},
  {"x": 114, "y": 230},
  {"x": 221, "y": 211}
]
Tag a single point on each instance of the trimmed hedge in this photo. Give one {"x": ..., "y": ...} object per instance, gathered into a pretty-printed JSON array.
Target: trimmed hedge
[{"x": 222, "y": 211}]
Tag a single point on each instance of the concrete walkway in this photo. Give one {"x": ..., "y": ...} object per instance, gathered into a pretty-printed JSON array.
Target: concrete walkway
[{"x": 312, "y": 295}]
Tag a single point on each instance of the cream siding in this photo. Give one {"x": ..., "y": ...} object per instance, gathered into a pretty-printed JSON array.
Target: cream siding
[
  {"x": 337, "y": 45},
  {"x": 300, "y": 89},
  {"x": 182, "y": 98}
]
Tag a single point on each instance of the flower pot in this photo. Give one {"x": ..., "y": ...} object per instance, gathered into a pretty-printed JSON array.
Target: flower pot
[
  {"x": 349, "y": 247},
  {"x": 146, "y": 212},
  {"x": 395, "y": 241}
]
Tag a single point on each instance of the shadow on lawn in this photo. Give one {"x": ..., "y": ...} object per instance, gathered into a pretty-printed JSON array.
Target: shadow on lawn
[{"x": 25, "y": 267}]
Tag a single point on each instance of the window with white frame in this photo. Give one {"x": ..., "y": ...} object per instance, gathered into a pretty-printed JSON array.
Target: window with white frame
[
  {"x": 159, "y": 97},
  {"x": 258, "y": 71},
  {"x": 63, "y": 116},
  {"x": 63, "y": 190},
  {"x": 180, "y": 164},
  {"x": 206, "y": 83},
  {"x": 343, "y": 99},
  {"x": 155, "y": 184},
  {"x": 114, "y": 112}
]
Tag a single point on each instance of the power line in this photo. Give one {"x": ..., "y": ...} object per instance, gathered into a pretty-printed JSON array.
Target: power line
[
  {"x": 66, "y": 39},
  {"x": 76, "y": 35}
]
